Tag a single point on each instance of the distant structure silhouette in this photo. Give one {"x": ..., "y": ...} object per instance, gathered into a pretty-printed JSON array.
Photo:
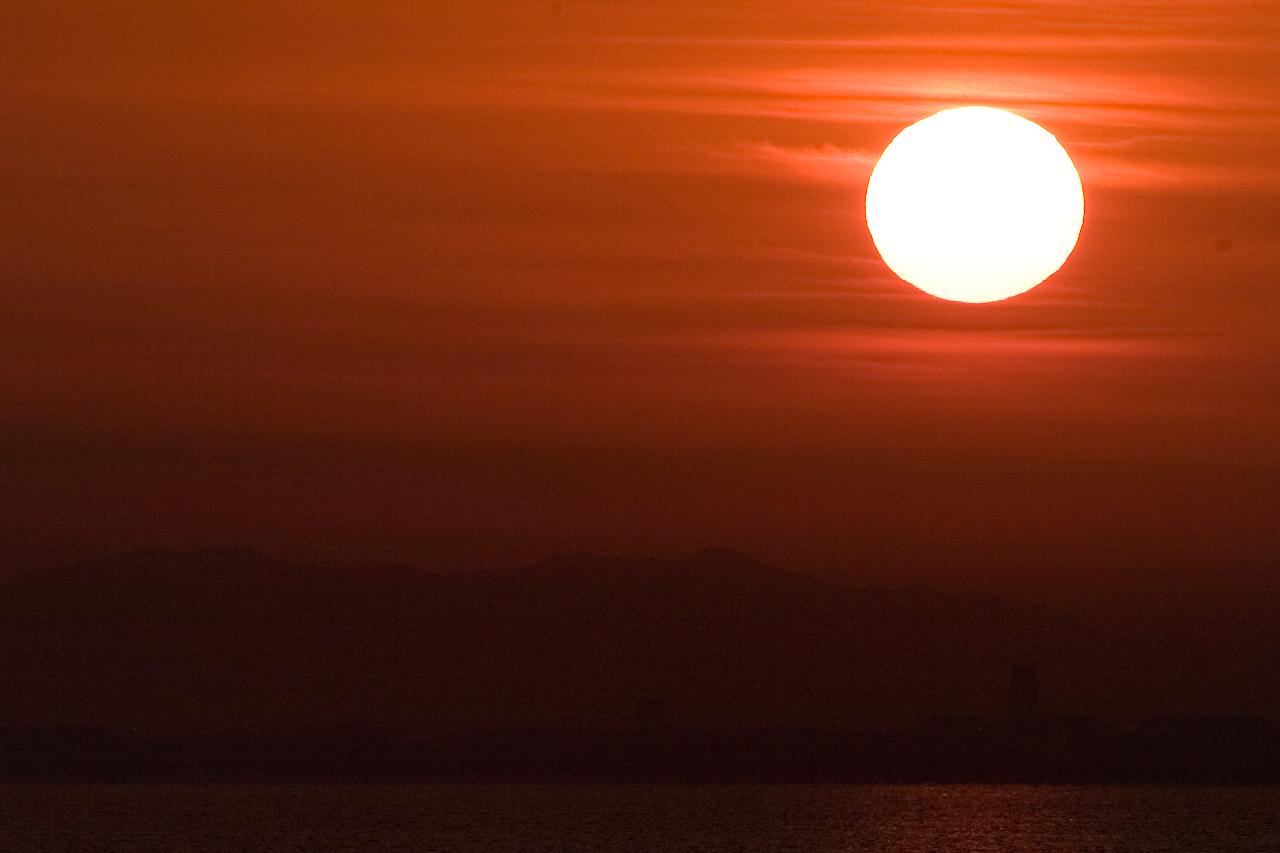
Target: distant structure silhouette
[{"x": 1024, "y": 696}]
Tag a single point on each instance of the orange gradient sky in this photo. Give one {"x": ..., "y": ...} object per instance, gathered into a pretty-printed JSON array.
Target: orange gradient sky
[{"x": 455, "y": 286}]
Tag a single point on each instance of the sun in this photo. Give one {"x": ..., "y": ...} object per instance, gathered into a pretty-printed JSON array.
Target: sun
[{"x": 975, "y": 204}]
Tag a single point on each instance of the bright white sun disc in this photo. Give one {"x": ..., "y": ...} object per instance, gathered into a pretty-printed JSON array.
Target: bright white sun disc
[{"x": 975, "y": 204}]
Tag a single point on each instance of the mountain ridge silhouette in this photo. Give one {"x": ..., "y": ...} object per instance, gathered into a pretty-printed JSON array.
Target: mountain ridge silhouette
[{"x": 178, "y": 640}]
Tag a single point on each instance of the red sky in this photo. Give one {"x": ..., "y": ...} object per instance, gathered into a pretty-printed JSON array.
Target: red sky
[{"x": 401, "y": 283}]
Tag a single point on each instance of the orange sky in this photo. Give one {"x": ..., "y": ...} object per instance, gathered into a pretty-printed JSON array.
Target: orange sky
[{"x": 392, "y": 282}]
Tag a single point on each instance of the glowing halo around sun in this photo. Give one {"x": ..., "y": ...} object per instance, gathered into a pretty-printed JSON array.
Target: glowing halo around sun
[{"x": 975, "y": 204}]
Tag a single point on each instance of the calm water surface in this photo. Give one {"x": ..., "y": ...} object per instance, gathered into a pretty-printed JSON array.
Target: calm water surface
[{"x": 488, "y": 818}]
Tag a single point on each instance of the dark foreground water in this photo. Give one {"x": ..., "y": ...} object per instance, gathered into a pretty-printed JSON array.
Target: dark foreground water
[{"x": 495, "y": 818}]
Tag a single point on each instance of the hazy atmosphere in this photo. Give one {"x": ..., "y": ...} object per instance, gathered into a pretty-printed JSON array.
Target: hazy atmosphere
[
  {"x": 464, "y": 289},
  {"x": 493, "y": 425}
]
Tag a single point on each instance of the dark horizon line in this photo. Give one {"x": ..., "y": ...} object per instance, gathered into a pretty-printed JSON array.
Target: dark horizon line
[{"x": 1179, "y": 749}]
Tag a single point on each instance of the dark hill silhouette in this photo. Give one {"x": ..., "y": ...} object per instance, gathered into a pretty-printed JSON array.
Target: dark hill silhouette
[{"x": 173, "y": 641}]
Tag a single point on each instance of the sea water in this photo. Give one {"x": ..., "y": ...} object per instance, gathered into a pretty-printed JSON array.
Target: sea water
[{"x": 495, "y": 818}]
